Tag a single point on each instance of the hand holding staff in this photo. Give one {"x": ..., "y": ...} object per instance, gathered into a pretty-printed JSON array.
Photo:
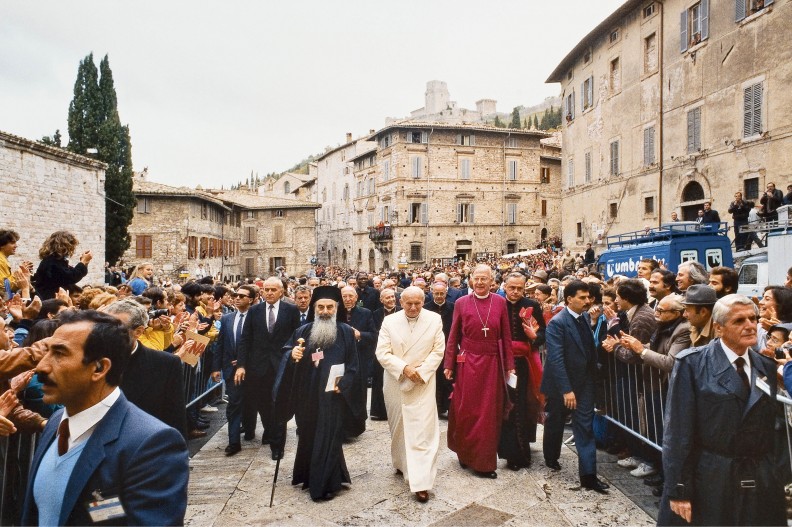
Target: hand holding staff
[{"x": 297, "y": 351}]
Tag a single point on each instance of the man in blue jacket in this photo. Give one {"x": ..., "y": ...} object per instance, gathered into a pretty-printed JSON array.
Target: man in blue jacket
[{"x": 101, "y": 459}]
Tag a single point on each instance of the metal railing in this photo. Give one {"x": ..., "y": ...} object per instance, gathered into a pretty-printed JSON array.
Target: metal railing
[{"x": 16, "y": 451}]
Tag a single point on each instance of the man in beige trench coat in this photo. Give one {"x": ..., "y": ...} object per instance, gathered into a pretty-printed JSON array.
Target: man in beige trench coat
[{"x": 410, "y": 348}]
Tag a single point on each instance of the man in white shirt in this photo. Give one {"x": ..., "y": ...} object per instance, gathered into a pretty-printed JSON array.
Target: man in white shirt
[{"x": 101, "y": 459}]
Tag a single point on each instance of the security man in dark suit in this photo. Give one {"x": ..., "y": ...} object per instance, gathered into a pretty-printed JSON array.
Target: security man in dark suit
[
  {"x": 362, "y": 322},
  {"x": 718, "y": 454},
  {"x": 153, "y": 379},
  {"x": 367, "y": 295},
  {"x": 568, "y": 384},
  {"x": 224, "y": 363},
  {"x": 302, "y": 299},
  {"x": 439, "y": 302},
  {"x": 267, "y": 328}
]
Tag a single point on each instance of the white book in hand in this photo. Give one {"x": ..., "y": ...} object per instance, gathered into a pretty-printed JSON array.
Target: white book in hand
[{"x": 336, "y": 372}]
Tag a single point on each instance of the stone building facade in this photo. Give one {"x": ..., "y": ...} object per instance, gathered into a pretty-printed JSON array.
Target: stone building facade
[
  {"x": 432, "y": 192},
  {"x": 45, "y": 189},
  {"x": 227, "y": 234},
  {"x": 671, "y": 104},
  {"x": 334, "y": 183}
]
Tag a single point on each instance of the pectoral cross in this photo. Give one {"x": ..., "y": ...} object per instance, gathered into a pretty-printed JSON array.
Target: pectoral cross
[{"x": 485, "y": 329}]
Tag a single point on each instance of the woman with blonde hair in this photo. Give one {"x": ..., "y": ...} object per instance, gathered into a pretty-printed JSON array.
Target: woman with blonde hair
[{"x": 54, "y": 270}]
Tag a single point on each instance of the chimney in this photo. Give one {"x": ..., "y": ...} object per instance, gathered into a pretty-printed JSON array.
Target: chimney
[{"x": 349, "y": 137}]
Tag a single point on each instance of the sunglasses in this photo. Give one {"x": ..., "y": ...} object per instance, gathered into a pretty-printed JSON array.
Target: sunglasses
[
  {"x": 661, "y": 311},
  {"x": 237, "y": 295}
]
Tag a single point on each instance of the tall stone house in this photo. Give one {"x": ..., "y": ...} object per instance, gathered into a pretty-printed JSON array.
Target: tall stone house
[
  {"x": 671, "y": 104},
  {"x": 188, "y": 232},
  {"x": 432, "y": 192},
  {"x": 46, "y": 189}
]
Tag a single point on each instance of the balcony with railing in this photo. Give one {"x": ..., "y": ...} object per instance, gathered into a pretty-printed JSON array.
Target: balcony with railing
[{"x": 381, "y": 232}]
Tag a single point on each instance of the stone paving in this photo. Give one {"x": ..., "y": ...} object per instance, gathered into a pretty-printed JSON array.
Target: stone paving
[{"x": 235, "y": 491}]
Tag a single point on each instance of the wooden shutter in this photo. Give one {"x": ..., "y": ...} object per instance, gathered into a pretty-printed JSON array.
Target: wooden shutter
[
  {"x": 704, "y": 19},
  {"x": 683, "y": 31},
  {"x": 409, "y": 136},
  {"x": 471, "y": 217},
  {"x": 424, "y": 213},
  {"x": 739, "y": 10},
  {"x": 424, "y": 137},
  {"x": 591, "y": 91},
  {"x": 512, "y": 170},
  {"x": 459, "y": 213},
  {"x": 583, "y": 92},
  {"x": 649, "y": 146}
]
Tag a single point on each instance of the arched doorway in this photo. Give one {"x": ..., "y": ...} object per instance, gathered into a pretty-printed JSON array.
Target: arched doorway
[
  {"x": 544, "y": 235},
  {"x": 386, "y": 265},
  {"x": 344, "y": 258},
  {"x": 371, "y": 261},
  {"x": 692, "y": 196},
  {"x": 329, "y": 258},
  {"x": 464, "y": 249}
]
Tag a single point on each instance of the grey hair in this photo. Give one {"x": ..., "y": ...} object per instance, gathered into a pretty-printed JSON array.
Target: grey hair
[
  {"x": 137, "y": 313},
  {"x": 720, "y": 313},
  {"x": 697, "y": 273},
  {"x": 386, "y": 290},
  {"x": 674, "y": 301},
  {"x": 517, "y": 275},
  {"x": 484, "y": 267},
  {"x": 441, "y": 283}
]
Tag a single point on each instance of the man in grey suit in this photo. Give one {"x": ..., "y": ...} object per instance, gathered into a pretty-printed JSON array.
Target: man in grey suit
[{"x": 568, "y": 384}]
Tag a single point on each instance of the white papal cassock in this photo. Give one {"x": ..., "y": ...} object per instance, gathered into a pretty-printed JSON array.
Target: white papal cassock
[{"x": 412, "y": 408}]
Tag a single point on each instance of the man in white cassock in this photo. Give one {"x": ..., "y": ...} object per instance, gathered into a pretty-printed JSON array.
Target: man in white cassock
[{"x": 410, "y": 349}]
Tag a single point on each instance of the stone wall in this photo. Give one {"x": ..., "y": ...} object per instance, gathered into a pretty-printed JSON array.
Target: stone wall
[
  {"x": 45, "y": 189},
  {"x": 283, "y": 237}
]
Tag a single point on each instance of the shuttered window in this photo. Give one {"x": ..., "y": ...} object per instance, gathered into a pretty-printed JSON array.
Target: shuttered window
[
  {"x": 649, "y": 146},
  {"x": 570, "y": 173},
  {"x": 587, "y": 93},
  {"x": 587, "y": 161},
  {"x": 143, "y": 246},
  {"x": 614, "y": 158},
  {"x": 752, "y": 110},
  {"x": 511, "y": 213},
  {"x": 385, "y": 170},
  {"x": 464, "y": 168},
  {"x": 570, "y": 106},
  {"x": 417, "y": 166},
  {"x": 694, "y": 130},
  {"x": 694, "y": 25},
  {"x": 512, "y": 169},
  {"x": 746, "y": 8},
  {"x": 250, "y": 234},
  {"x": 465, "y": 213},
  {"x": 417, "y": 137}
]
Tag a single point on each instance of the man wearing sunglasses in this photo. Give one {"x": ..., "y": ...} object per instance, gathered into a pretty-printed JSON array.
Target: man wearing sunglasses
[{"x": 224, "y": 364}]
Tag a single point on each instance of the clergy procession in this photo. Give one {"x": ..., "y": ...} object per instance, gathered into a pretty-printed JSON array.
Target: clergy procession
[{"x": 311, "y": 363}]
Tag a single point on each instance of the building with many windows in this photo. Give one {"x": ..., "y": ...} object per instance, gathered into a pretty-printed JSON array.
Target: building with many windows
[
  {"x": 187, "y": 232},
  {"x": 670, "y": 104},
  {"x": 432, "y": 192}
]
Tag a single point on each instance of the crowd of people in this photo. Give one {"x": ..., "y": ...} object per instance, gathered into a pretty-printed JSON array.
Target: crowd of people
[{"x": 684, "y": 369}]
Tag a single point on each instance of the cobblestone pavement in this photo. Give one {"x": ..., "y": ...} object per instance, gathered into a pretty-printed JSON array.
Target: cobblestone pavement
[{"x": 231, "y": 491}]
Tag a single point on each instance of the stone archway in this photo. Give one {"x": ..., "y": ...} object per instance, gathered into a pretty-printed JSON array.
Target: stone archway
[
  {"x": 692, "y": 197},
  {"x": 371, "y": 261},
  {"x": 544, "y": 235}
]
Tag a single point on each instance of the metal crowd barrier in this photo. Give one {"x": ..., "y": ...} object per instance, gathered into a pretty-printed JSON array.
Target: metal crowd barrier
[{"x": 198, "y": 383}]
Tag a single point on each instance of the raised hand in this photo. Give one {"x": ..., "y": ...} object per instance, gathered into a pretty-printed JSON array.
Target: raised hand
[{"x": 19, "y": 382}]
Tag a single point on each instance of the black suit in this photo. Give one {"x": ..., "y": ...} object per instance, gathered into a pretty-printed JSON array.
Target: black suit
[
  {"x": 260, "y": 352},
  {"x": 362, "y": 320},
  {"x": 370, "y": 298},
  {"x": 224, "y": 361},
  {"x": 153, "y": 381},
  {"x": 443, "y": 387}
]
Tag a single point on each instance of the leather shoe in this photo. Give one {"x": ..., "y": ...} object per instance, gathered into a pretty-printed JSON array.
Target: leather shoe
[
  {"x": 232, "y": 449},
  {"x": 488, "y": 475},
  {"x": 554, "y": 465},
  {"x": 195, "y": 434},
  {"x": 513, "y": 466},
  {"x": 657, "y": 492},
  {"x": 422, "y": 496},
  {"x": 654, "y": 481},
  {"x": 594, "y": 483},
  {"x": 277, "y": 454},
  {"x": 265, "y": 441},
  {"x": 378, "y": 418},
  {"x": 201, "y": 425}
]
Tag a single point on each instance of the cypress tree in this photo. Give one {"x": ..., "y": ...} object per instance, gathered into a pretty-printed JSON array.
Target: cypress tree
[
  {"x": 515, "y": 122},
  {"x": 536, "y": 122},
  {"x": 94, "y": 123}
]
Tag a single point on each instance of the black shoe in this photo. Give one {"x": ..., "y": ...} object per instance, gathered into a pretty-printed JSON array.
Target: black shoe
[
  {"x": 250, "y": 437},
  {"x": 232, "y": 449},
  {"x": 594, "y": 483},
  {"x": 487, "y": 475},
  {"x": 277, "y": 454},
  {"x": 513, "y": 466},
  {"x": 201, "y": 425},
  {"x": 554, "y": 465},
  {"x": 654, "y": 481},
  {"x": 378, "y": 418},
  {"x": 657, "y": 492},
  {"x": 265, "y": 441}
]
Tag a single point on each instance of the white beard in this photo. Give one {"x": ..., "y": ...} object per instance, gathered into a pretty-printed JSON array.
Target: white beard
[{"x": 323, "y": 332}]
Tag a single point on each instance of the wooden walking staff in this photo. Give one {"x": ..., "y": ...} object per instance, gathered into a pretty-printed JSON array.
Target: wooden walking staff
[{"x": 301, "y": 345}]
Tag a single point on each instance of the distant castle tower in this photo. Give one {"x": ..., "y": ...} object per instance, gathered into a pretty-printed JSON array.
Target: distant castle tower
[
  {"x": 437, "y": 97},
  {"x": 486, "y": 107}
]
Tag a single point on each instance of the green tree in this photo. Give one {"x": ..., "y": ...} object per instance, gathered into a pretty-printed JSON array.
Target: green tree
[
  {"x": 54, "y": 140},
  {"x": 94, "y": 123},
  {"x": 498, "y": 122},
  {"x": 536, "y": 122},
  {"x": 515, "y": 122}
]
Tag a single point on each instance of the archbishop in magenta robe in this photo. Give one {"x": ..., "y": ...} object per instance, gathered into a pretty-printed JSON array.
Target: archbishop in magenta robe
[{"x": 480, "y": 361}]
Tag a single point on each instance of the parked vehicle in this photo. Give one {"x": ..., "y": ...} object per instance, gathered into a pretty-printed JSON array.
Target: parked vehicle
[
  {"x": 769, "y": 268},
  {"x": 671, "y": 244}
]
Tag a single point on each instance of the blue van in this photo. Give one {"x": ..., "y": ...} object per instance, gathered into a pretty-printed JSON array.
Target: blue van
[{"x": 671, "y": 244}]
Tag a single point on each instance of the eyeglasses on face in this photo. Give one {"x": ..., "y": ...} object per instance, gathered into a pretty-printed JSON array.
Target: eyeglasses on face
[
  {"x": 239, "y": 295},
  {"x": 661, "y": 310}
]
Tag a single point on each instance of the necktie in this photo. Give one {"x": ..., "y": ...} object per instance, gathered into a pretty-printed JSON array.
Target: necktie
[
  {"x": 302, "y": 319},
  {"x": 241, "y": 322},
  {"x": 63, "y": 437},
  {"x": 271, "y": 318},
  {"x": 740, "y": 363}
]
